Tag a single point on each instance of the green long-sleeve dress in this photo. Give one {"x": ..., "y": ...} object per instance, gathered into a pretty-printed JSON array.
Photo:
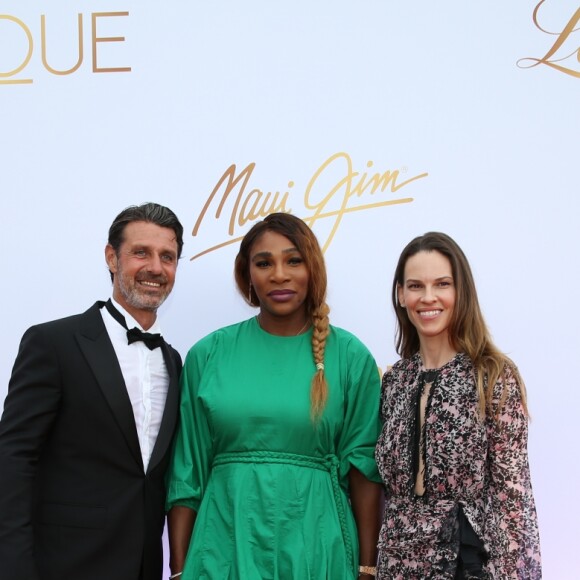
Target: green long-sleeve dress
[{"x": 270, "y": 488}]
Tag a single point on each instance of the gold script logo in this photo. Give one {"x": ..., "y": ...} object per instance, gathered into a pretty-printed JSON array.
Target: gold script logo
[
  {"x": 21, "y": 31},
  {"x": 335, "y": 189},
  {"x": 558, "y": 56}
]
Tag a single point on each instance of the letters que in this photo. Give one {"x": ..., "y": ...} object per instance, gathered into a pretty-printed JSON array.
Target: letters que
[
  {"x": 97, "y": 18},
  {"x": 248, "y": 203},
  {"x": 559, "y": 56}
]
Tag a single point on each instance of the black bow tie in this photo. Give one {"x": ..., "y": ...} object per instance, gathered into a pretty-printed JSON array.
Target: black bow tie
[
  {"x": 151, "y": 340},
  {"x": 134, "y": 334}
]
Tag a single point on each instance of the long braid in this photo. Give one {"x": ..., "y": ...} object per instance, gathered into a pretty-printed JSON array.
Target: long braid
[{"x": 319, "y": 390}]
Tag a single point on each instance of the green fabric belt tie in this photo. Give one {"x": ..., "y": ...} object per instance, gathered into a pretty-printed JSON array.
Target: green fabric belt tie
[{"x": 329, "y": 463}]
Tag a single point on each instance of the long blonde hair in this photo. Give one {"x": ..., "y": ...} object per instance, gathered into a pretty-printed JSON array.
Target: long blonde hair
[
  {"x": 467, "y": 330},
  {"x": 317, "y": 310}
]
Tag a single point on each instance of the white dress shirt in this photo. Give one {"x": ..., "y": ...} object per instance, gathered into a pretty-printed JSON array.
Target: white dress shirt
[{"x": 146, "y": 378}]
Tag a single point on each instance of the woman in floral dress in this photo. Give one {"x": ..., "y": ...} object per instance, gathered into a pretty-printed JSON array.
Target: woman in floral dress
[{"x": 453, "y": 449}]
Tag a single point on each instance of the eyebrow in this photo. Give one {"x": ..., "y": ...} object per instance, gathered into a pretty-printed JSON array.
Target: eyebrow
[
  {"x": 269, "y": 254},
  {"x": 145, "y": 246},
  {"x": 436, "y": 279}
]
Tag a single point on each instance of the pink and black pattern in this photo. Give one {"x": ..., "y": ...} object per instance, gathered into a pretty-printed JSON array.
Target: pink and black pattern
[{"x": 479, "y": 466}]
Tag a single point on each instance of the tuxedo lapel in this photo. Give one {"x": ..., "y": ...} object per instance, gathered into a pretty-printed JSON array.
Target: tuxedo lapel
[
  {"x": 98, "y": 350},
  {"x": 169, "y": 419}
]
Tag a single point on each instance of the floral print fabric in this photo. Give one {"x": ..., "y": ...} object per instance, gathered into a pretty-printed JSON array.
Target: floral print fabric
[{"x": 480, "y": 466}]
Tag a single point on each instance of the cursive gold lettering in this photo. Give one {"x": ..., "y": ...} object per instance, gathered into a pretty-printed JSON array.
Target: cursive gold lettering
[
  {"x": 549, "y": 58},
  {"x": 261, "y": 204},
  {"x": 333, "y": 203},
  {"x": 346, "y": 188},
  {"x": 260, "y": 207},
  {"x": 229, "y": 174}
]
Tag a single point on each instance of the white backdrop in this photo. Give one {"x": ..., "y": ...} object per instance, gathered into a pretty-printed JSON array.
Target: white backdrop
[{"x": 444, "y": 101}]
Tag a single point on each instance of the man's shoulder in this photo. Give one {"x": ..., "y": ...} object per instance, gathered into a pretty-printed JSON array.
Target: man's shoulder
[{"x": 70, "y": 321}]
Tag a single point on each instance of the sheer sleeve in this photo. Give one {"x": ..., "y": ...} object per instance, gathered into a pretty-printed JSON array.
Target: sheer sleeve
[
  {"x": 386, "y": 385},
  {"x": 192, "y": 451},
  {"x": 512, "y": 526},
  {"x": 361, "y": 425}
]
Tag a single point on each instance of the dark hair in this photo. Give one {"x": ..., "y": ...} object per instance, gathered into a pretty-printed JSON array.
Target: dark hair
[
  {"x": 468, "y": 331},
  {"x": 317, "y": 310},
  {"x": 147, "y": 212}
]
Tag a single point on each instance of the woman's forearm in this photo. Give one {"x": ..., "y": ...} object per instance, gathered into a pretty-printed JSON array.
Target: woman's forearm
[
  {"x": 180, "y": 522},
  {"x": 365, "y": 497}
]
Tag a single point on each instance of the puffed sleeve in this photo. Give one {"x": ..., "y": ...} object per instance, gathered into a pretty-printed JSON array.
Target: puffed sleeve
[
  {"x": 193, "y": 447},
  {"x": 512, "y": 525},
  {"x": 361, "y": 424}
]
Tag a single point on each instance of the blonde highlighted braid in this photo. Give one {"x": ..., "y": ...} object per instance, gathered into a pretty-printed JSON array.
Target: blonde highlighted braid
[{"x": 319, "y": 389}]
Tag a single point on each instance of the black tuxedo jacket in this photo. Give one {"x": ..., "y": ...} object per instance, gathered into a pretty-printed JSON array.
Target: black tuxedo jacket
[{"x": 75, "y": 501}]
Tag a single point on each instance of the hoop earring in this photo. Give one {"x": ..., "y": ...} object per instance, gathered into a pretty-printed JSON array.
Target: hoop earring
[{"x": 250, "y": 292}]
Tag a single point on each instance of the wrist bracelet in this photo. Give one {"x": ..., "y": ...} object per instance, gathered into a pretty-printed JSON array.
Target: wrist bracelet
[
  {"x": 370, "y": 570},
  {"x": 175, "y": 575}
]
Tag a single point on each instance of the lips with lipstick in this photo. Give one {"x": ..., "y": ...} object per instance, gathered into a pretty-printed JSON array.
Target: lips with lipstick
[{"x": 281, "y": 295}]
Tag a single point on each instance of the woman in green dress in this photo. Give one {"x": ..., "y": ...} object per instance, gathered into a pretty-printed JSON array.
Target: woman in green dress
[{"x": 273, "y": 475}]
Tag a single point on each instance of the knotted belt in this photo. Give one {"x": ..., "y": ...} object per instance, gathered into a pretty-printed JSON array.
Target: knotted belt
[{"x": 328, "y": 463}]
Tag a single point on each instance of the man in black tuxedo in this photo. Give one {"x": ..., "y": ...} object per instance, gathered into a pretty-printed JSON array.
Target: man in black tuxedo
[{"x": 88, "y": 422}]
